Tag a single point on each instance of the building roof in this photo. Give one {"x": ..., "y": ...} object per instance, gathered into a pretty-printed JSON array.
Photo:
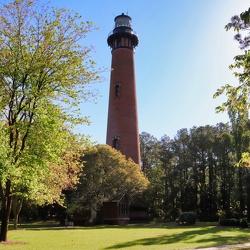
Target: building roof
[{"x": 118, "y": 197}]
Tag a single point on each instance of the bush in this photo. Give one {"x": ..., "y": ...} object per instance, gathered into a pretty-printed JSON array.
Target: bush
[
  {"x": 244, "y": 223},
  {"x": 234, "y": 223},
  {"x": 229, "y": 222},
  {"x": 187, "y": 218}
]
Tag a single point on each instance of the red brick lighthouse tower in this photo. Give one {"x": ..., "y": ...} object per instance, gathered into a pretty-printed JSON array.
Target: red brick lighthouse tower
[{"x": 122, "y": 129}]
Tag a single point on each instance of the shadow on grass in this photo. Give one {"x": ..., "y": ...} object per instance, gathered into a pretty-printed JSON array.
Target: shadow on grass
[
  {"x": 56, "y": 226},
  {"x": 168, "y": 225},
  {"x": 209, "y": 234},
  {"x": 214, "y": 239},
  {"x": 40, "y": 225},
  {"x": 37, "y": 224}
]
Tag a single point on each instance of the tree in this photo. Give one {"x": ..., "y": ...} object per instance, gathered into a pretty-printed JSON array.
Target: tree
[
  {"x": 202, "y": 149},
  {"x": 60, "y": 178},
  {"x": 168, "y": 161},
  {"x": 238, "y": 96},
  {"x": 106, "y": 172},
  {"x": 226, "y": 176},
  {"x": 149, "y": 148},
  {"x": 240, "y": 144},
  {"x": 154, "y": 195},
  {"x": 184, "y": 172},
  {"x": 198, "y": 172},
  {"x": 44, "y": 74}
]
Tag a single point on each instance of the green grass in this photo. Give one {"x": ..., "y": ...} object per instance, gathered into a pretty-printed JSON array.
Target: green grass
[{"x": 146, "y": 236}]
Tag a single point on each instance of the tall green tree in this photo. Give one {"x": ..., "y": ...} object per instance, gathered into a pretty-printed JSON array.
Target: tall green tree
[
  {"x": 183, "y": 172},
  {"x": 197, "y": 171},
  {"x": 238, "y": 101},
  {"x": 149, "y": 148},
  {"x": 204, "y": 167},
  {"x": 238, "y": 97},
  {"x": 168, "y": 162},
  {"x": 240, "y": 144},
  {"x": 60, "y": 178},
  {"x": 151, "y": 166},
  {"x": 44, "y": 74},
  {"x": 225, "y": 169},
  {"x": 106, "y": 171}
]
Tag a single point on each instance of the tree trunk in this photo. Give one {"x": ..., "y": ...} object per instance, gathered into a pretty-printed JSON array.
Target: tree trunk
[
  {"x": 6, "y": 207},
  {"x": 241, "y": 191},
  {"x": 92, "y": 216},
  {"x": 16, "y": 208},
  {"x": 248, "y": 195}
]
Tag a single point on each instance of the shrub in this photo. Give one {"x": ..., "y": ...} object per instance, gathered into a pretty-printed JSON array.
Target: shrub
[
  {"x": 188, "y": 218},
  {"x": 244, "y": 223},
  {"x": 234, "y": 223}
]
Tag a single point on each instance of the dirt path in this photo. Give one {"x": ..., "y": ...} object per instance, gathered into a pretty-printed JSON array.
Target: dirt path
[{"x": 234, "y": 246}]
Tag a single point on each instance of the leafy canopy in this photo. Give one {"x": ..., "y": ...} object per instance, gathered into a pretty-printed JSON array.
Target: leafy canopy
[
  {"x": 238, "y": 96},
  {"x": 45, "y": 72},
  {"x": 106, "y": 172}
]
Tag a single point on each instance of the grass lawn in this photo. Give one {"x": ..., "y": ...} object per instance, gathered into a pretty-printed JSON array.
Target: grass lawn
[{"x": 145, "y": 236}]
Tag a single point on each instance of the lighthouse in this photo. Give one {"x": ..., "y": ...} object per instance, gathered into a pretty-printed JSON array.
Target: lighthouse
[{"x": 122, "y": 127}]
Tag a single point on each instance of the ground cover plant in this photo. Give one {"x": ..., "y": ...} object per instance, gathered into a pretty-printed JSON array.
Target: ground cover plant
[{"x": 144, "y": 236}]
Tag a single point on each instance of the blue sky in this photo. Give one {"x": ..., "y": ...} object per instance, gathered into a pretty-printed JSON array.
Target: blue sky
[{"x": 182, "y": 58}]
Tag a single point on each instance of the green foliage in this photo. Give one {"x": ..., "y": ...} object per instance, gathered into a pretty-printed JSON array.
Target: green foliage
[
  {"x": 238, "y": 97},
  {"x": 187, "y": 218},
  {"x": 229, "y": 222},
  {"x": 244, "y": 223},
  {"x": 155, "y": 193},
  {"x": 245, "y": 160},
  {"x": 106, "y": 171},
  {"x": 197, "y": 172},
  {"x": 149, "y": 148},
  {"x": 44, "y": 74},
  {"x": 157, "y": 164},
  {"x": 234, "y": 222}
]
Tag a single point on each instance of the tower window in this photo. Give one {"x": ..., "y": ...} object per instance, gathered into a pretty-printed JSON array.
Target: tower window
[
  {"x": 117, "y": 89},
  {"x": 118, "y": 42},
  {"x": 116, "y": 142}
]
